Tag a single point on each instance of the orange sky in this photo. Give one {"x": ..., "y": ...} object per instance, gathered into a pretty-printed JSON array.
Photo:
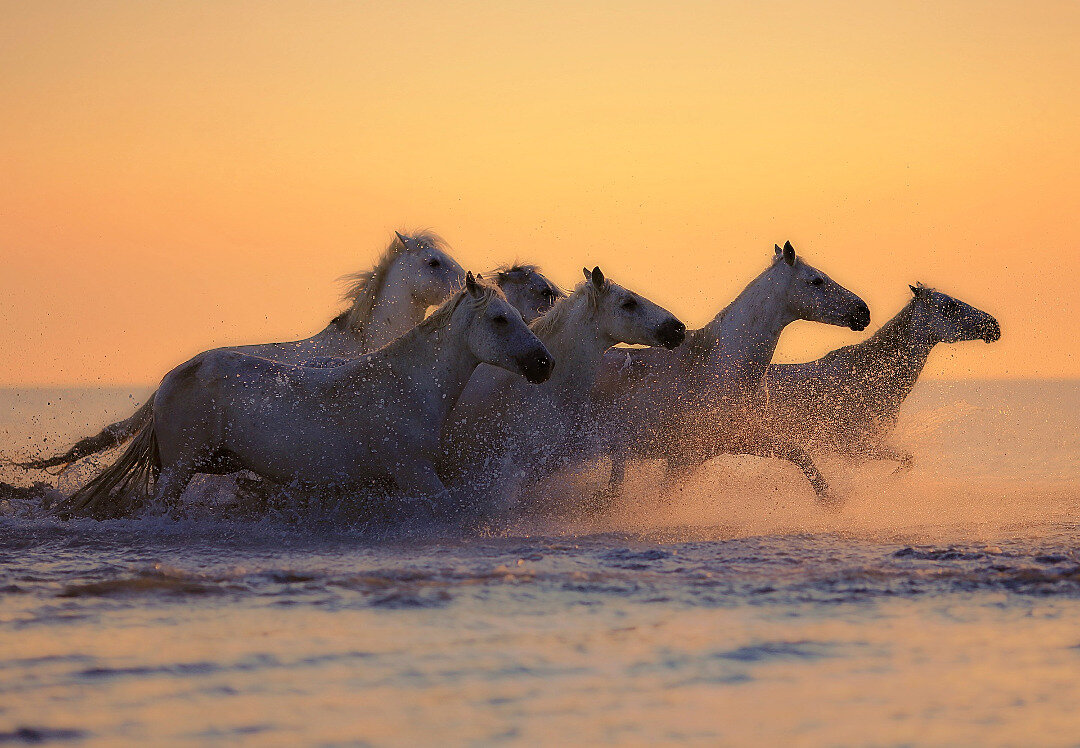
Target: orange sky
[{"x": 177, "y": 176}]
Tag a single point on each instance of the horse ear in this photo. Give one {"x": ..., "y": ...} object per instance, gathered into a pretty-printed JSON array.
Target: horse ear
[
  {"x": 778, "y": 250},
  {"x": 597, "y": 277},
  {"x": 914, "y": 290},
  {"x": 471, "y": 286},
  {"x": 402, "y": 238},
  {"x": 789, "y": 253}
]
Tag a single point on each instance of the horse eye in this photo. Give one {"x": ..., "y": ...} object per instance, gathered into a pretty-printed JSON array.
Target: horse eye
[
  {"x": 500, "y": 319},
  {"x": 433, "y": 263},
  {"x": 629, "y": 305},
  {"x": 817, "y": 281}
]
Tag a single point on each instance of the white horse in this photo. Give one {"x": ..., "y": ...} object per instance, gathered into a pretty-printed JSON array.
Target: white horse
[
  {"x": 529, "y": 290},
  {"x": 373, "y": 418},
  {"x": 413, "y": 274},
  {"x": 700, "y": 400},
  {"x": 848, "y": 401},
  {"x": 517, "y": 435}
]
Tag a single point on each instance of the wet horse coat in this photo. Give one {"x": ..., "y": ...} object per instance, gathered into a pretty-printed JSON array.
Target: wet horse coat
[
  {"x": 848, "y": 400},
  {"x": 412, "y": 275},
  {"x": 700, "y": 400},
  {"x": 373, "y": 418},
  {"x": 515, "y": 435}
]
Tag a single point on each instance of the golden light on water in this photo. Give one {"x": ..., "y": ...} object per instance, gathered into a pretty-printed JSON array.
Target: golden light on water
[{"x": 183, "y": 175}]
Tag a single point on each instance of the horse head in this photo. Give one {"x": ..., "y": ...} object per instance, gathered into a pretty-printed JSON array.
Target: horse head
[
  {"x": 423, "y": 270},
  {"x": 529, "y": 290},
  {"x": 497, "y": 334},
  {"x": 944, "y": 319},
  {"x": 626, "y": 317},
  {"x": 815, "y": 297}
]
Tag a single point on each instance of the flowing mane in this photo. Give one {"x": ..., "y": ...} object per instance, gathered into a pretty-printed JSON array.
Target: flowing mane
[
  {"x": 364, "y": 287},
  {"x": 701, "y": 341},
  {"x": 558, "y": 316},
  {"x": 517, "y": 267},
  {"x": 442, "y": 314}
]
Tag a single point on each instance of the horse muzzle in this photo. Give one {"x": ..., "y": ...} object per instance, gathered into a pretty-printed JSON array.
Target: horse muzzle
[
  {"x": 991, "y": 331},
  {"x": 671, "y": 333},
  {"x": 536, "y": 366},
  {"x": 860, "y": 319}
]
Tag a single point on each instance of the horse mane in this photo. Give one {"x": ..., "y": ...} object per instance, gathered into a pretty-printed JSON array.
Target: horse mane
[
  {"x": 517, "y": 267},
  {"x": 364, "y": 287},
  {"x": 701, "y": 341},
  {"x": 557, "y": 317},
  {"x": 442, "y": 314}
]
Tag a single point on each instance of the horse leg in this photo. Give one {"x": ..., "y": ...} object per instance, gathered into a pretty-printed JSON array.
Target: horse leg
[
  {"x": 170, "y": 486},
  {"x": 424, "y": 491},
  {"x": 603, "y": 499},
  {"x": 795, "y": 454},
  {"x": 254, "y": 493},
  {"x": 677, "y": 471},
  {"x": 885, "y": 452},
  {"x": 618, "y": 471},
  {"x": 799, "y": 456}
]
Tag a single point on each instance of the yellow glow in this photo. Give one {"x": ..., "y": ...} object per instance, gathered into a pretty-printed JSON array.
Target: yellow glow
[{"x": 176, "y": 176}]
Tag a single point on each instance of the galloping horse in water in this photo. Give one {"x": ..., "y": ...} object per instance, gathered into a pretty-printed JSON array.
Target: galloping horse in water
[
  {"x": 848, "y": 400},
  {"x": 413, "y": 274},
  {"x": 700, "y": 400},
  {"x": 516, "y": 435},
  {"x": 374, "y": 418}
]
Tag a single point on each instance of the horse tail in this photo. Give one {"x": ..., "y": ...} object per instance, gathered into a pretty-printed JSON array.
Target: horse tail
[
  {"x": 121, "y": 488},
  {"x": 111, "y": 436}
]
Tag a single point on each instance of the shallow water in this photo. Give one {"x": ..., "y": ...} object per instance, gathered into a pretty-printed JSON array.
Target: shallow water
[{"x": 941, "y": 606}]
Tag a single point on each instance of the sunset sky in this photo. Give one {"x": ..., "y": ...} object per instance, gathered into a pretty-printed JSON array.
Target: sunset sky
[{"x": 181, "y": 175}]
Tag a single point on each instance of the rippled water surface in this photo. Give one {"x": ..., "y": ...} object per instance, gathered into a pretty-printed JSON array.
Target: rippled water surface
[{"x": 941, "y": 606}]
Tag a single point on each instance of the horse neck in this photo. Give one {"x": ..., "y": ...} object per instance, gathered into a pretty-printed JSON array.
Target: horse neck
[
  {"x": 895, "y": 355},
  {"x": 578, "y": 345},
  {"x": 394, "y": 314},
  {"x": 436, "y": 365},
  {"x": 739, "y": 342}
]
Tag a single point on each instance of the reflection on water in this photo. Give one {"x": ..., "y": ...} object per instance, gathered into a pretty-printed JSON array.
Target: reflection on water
[{"x": 941, "y": 606}]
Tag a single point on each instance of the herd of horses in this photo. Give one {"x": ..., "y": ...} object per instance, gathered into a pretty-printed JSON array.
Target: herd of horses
[{"x": 466, "y": 411}]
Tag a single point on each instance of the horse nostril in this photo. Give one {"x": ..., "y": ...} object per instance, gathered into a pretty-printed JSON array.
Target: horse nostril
[
  {"x": 537, "y": 366},
  {"x": 993, "y": 332},
  {"x": 671, "y": 333},
  {"x": 860, "y": 319}
]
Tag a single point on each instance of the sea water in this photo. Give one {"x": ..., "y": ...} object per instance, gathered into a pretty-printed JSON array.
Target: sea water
[{"x": 940, "y": 606}]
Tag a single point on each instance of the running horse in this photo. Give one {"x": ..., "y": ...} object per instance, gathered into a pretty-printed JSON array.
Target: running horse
[
  {"x": 516, "y": 435},
  {"x": 375, "y": 418},
  {"x": 414, "y": 273},
  {"x": 848, "y": 401},
  {"x": 687, "y": 405}
]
